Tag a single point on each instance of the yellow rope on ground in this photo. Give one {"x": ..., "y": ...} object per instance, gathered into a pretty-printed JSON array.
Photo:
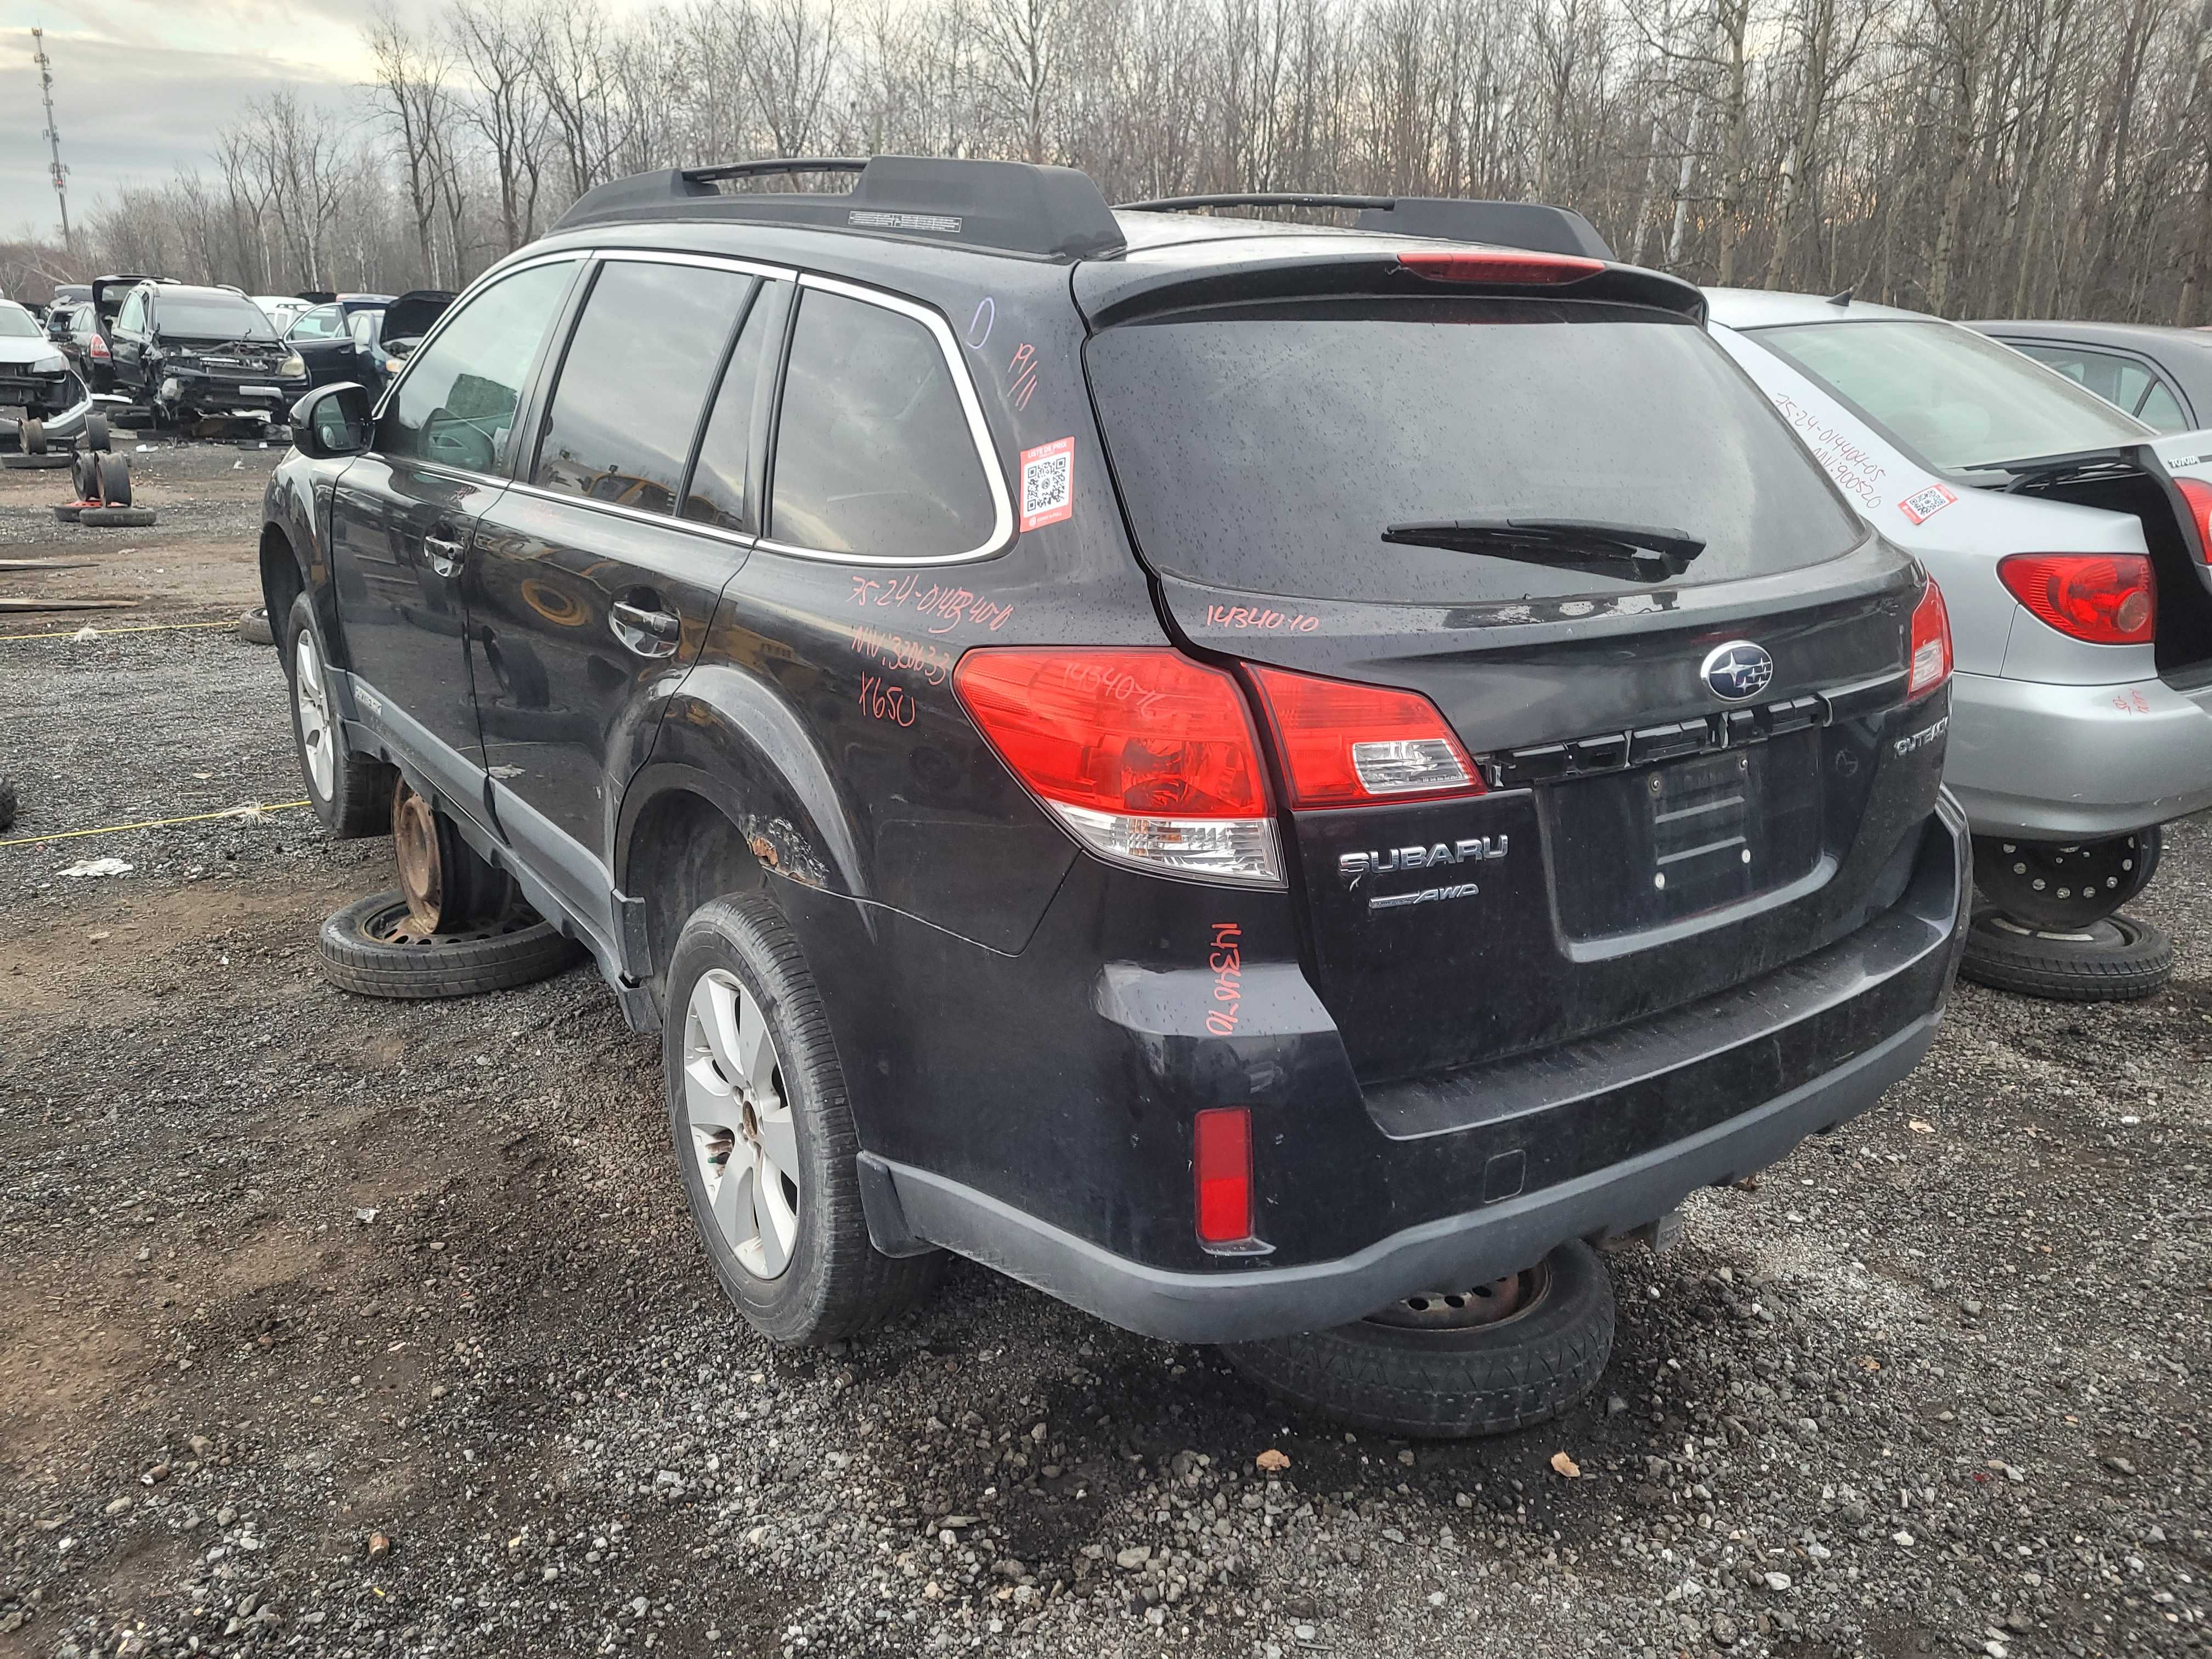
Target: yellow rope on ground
[
  {"x": 102, "y": 633},
  {"x": 253, "y": 811}
]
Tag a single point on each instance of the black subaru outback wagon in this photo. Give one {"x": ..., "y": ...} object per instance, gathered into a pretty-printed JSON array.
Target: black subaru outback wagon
[{"x": 1245, "y": 775}]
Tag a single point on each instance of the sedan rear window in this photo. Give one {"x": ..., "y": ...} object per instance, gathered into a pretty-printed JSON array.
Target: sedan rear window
[
  {"x": 1269, "y": 448},
  {"x": 1959, "y": 402}
]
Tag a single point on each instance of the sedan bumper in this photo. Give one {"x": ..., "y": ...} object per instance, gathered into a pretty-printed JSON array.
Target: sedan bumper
[{"x": 2063, "y": 762}]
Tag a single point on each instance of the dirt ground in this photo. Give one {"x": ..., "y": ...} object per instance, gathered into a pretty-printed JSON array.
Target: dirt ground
[{"x": 343, "y": 1327}]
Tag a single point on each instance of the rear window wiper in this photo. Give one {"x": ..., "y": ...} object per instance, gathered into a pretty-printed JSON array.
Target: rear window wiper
[{"x": 1632, "y": 552}]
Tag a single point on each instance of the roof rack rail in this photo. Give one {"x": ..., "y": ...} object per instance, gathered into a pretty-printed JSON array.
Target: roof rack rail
[
  {"x": 1007, "y": 207},
  {"x": 1506, "y": 224}
]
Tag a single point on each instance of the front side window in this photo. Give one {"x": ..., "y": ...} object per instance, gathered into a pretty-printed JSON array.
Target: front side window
[
  {"x": 456, "y": 405},
  {"x": 1961, "y": 401},
  {"x": 321, "y": 324},
  {"x": 634, "y": 380},
  {"x": 873, "y": 452}
]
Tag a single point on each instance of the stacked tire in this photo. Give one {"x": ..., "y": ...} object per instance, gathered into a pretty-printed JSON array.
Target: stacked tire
[{"x": 35, "y": 456}]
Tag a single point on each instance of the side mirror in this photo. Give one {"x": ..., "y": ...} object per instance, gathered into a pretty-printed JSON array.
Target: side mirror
[{"x": 331, "y": 420}]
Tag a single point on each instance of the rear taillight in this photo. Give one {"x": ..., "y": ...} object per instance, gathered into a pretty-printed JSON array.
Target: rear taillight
[
  {"x": 2198, "y": 494},
  {"x": 1930, "y": 656},
  {"x": 1343, "y": 744},
  {"x": 1511, "y": 268},
  {"x": 2106, "y": 599},
  {"x": 1221, "y": 1159},
  {"x": 1148, "y": 757},
  {"x": 96, "y": 347}
]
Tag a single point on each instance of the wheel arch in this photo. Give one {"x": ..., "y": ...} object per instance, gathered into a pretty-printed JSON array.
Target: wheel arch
[{"x": 283, "y": 578}]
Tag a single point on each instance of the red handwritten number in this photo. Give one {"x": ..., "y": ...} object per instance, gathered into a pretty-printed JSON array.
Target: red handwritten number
[
  {"x": 1022, "y": 374},
  {"x": 1226, "y": 959},
  {"x": 887, "y": 703}
]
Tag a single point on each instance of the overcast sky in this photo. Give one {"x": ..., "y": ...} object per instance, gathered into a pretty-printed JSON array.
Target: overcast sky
[{"x": 140, "y": 86}]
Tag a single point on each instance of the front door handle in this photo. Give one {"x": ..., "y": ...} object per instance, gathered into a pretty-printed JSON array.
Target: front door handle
[
  {"x": 647, "y": 633},
  {"x": 444, "y": 551}
]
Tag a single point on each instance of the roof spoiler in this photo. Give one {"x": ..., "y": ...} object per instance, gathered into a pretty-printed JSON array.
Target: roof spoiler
[
  {"x": 1531, "y": 225},
  {"x": 1007, "y": 207}
]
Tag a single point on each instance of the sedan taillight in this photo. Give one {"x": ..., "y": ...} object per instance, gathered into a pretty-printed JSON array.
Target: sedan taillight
[
  {"x": 2106, "y": 599},
  {"x": 96, "y": 347},
  {"x": 1929, "y": 658},
  {"x": 2198, "y": 494}
]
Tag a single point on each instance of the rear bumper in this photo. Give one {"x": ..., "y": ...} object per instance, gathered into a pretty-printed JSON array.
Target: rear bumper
[
  {"x": 2056, "y": 762},
  {"x": 1602, "y": 1137}
]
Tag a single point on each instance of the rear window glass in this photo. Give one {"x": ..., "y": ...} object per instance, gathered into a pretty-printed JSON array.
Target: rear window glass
[
  {"x": 1957, "y": 400},
  {"x": 1267, "y": 448}
]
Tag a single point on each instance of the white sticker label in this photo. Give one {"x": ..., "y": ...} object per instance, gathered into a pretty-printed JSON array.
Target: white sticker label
[
  {"x": 1048, "y": 483},
  {"x": 1924, "y": 504}
]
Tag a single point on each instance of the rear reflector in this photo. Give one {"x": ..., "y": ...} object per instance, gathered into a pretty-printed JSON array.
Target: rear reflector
[
  {"x": 1515, "y": 270},
  {"x": 1147, "y": 757},
  {"x": 2198, "y": 494},
  {"x": 1221, "y": 1155},
  {"x": 1930, "y": 656},
  {"x": 1343, "y": 745},
  {"x": 2106, "y": 599}
]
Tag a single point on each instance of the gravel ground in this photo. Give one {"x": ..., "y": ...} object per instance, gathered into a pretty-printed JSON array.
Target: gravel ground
[{"x": 341, "y": 1327}]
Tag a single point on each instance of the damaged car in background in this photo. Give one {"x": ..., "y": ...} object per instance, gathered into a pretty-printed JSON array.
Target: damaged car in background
[
  {"x": 204, "y": 360},
  {"x": 43, "y": 401}
]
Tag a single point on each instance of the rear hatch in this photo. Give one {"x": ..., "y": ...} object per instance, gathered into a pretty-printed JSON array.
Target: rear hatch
[{"x": 1642, "y": 840}]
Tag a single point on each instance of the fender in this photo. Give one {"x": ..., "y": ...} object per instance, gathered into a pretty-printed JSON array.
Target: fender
[{"x": 728, "y": 738}]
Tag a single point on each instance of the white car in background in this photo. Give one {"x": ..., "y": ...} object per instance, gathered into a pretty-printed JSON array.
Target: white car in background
[
  {"x": 281, "y": 310},
  {"x": 2070, "y": 542}
]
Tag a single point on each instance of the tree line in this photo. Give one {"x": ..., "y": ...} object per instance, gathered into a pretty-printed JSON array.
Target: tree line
[{"x": 1969, "y": 157}]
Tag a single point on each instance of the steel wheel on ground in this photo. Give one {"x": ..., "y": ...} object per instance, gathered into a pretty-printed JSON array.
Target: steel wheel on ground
[
  {"x": 2066, "y": 886},
  {"x": 31, "y": 435},
  {"x": 763, "y": 1136},
  {"x": 95, "y": 437},
  {"x": 375, "y": 947},
  {"x": 446, "y": 884},
  {"x": 112, "y": 479},
  {"x": 2115, "y": 958},
  {"x": 1479, "y": 1359},
  {"x": 351, "y": 793}
]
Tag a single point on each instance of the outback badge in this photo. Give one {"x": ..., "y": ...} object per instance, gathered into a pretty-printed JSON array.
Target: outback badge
[{"x": 1737, "y": 670}]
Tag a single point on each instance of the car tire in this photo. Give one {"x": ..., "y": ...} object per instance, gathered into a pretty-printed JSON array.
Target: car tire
[
  {"x": 799, "y": 1263},
  {"x": 116, "y": 518},
  {"x": 351, "y": 793},
  {"x": 67, "y": 512},
  {"x": 50, "y": 461},
  {"x": 95, "y": 438},
  {"x": 112, "y": 479},
  {"x": 367, "y": 948},
  {"x": 84, "y": 474},
  {"x": 1410, "y": 1371},
  {"x": 2116, "y": 959},
  {"x": 2065, "y": 886},
  {"x": 8, "y": 802},
  {"x": 254, "y": 627}
]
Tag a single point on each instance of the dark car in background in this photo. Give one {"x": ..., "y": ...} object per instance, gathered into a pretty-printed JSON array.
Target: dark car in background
[
  {"x": 75, "y": 328},
  {"x": 186, "y": 353},
  {"x": 324, "y": 336},
  {"x": 1232, "y": 771},
  {"x": 2161, "y": 376}
]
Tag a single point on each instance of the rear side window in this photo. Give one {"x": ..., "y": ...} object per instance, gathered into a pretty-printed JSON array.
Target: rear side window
[
  {"x": 456, "y": 404},
  {"x": 1269, "y": 448},
  {"x": 634, "y": 380},
  {"x": 873, "y": 452}
]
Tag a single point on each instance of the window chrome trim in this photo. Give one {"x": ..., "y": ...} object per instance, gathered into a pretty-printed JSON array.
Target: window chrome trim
[
  {"x": 979, "y": 431},
  {"x": 664, "y": 520}
]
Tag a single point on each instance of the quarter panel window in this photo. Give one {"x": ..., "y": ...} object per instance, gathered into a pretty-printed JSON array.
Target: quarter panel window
[
  {"x": 2162, "y": 409},
  {"x": 134, "y": 312},
  {"x": 873, "y": 453},
  {"x": 456, "y": 405},
  {"x": 721, "y": 476},
  {"x": 633, "y": 380}
]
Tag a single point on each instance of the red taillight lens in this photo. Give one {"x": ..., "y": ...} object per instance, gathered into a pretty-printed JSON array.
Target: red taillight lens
[
  {"x": 1146, "y": 756},
  {"x": 96, "y": 347},
  {"x": 2106, "y": 599},
  {"x": 2198, "y": 494},
  {"x": 1343, "y": 744},
  {"x": 1513, "y": 269},
  {"x": 1221, "y": 1157},
  {"x": 1931, "y": 658}
]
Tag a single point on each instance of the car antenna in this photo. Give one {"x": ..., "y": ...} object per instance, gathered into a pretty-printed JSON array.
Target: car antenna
[{"x": 1843, "y": 299}]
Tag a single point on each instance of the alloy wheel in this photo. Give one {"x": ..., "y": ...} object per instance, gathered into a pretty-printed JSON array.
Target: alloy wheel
[
  {"x": 312, "y": 699},
  {"x": 741, "y": 1132}
]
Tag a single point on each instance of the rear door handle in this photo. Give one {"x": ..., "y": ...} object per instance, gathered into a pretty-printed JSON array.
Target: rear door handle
[
  {"x": 648, "y": 633},
  {"x": 444, "y": 551}
]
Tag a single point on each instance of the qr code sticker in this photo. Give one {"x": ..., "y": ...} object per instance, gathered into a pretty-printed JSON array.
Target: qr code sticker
[
  {"x": 1925, "y": 504},
  {"x": 1048, "y": 483}
]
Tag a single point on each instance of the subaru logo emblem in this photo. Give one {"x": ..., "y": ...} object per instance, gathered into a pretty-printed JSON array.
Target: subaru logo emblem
[{"x": 1738, "y": 670}]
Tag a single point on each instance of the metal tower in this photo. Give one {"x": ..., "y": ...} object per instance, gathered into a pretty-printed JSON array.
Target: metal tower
[{"x": 52, "y": 134}]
